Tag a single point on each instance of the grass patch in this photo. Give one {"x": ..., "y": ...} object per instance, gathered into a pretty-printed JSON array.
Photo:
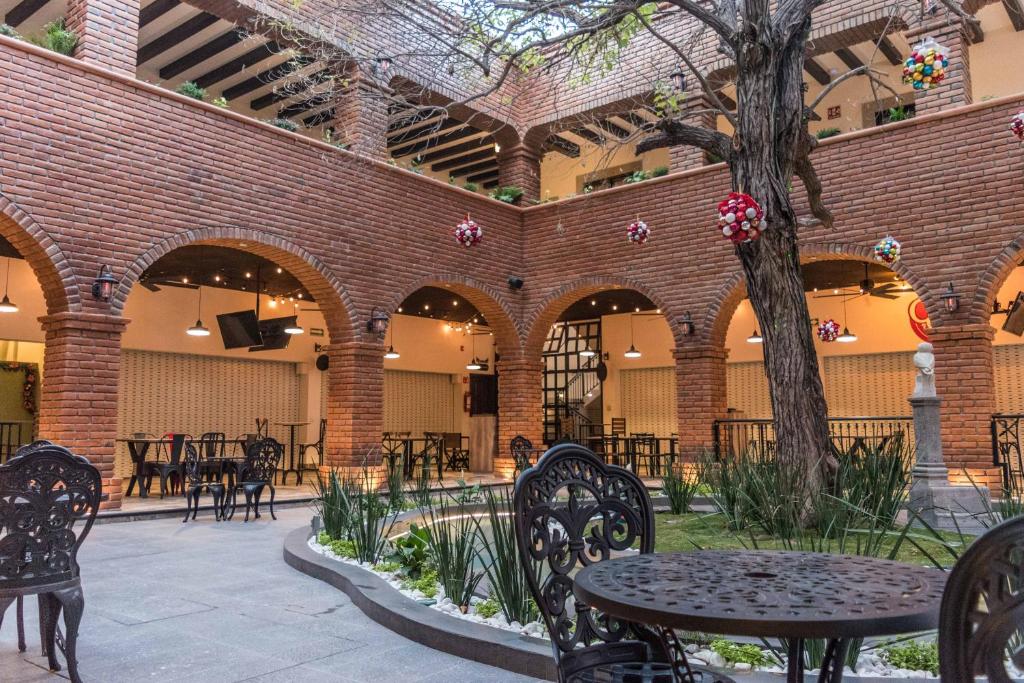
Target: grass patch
[{"x": 913, "y": 655}]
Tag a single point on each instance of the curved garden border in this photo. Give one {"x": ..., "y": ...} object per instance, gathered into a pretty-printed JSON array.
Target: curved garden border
[{"x": 389, "y": 608}]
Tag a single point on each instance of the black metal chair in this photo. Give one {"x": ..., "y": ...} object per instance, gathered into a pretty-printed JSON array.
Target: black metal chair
[
  {"x": 456, "y": 458},
  {"x": 167, "y": 470},
  {"x": 393, "y": 451},
  {"x": 645, "y": 453},
  {"x": 256, "y": 475},
  {"x": 262, "y": 428},
  {"x": 49, "y": 498},
  {"x": 317, "y": 446},
  {"x": 195, "y": 481},
  {"x": 983, "y": 608},
  {"x": 212, "y": 448},
  {"x": 432, "y": 453},
  {"x": 521, "y": 448},
  {"x": 571, "y": 510}
]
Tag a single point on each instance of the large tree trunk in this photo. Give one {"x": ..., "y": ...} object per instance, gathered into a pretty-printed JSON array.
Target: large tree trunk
[{"x": 770, "y": 135}]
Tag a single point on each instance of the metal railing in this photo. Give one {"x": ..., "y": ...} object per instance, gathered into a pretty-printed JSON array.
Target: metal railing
[
  {"x": 13, "y": 435},
  {"x": 1006, "y": 450},
  {"x": 850, "y": 435}
]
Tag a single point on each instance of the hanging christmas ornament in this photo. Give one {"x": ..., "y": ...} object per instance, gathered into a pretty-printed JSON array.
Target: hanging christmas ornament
[
  {"x": 638, "y": 232},
  {"x": 888, "y": 250},
  {"x": 926, "y": 66},
  {"x": 739, "y": 217},
  {"x": 468, "y": 233},
  {"x": 828, "y": 330},
  {"x": 1017, "y": 126}
]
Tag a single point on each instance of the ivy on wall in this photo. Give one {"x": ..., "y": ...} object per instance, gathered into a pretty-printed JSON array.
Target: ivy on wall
[{"x": 28, "y": 390}]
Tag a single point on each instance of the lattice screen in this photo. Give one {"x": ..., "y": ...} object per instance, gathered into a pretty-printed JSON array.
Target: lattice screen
[
  {"x": 649, "y": 400},
  {"x": 1008, "y": 366},
  {"x": 177, "y": 392},
  {"x": 418, "y": 402},
  {"x": 874, "y": 384},
  {"x": 746, "y": 388}
]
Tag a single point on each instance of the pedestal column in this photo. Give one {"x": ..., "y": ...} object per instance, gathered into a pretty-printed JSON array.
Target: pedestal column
[
  {"x": 520, "y": 408},
  {"x": 700, "y": 396}
]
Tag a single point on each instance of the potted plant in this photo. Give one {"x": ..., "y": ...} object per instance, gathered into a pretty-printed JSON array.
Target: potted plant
[{"x": 190, "y": 89}]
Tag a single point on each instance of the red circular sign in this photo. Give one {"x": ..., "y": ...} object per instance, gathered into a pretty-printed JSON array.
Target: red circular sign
[{"x": 918, "y": 316}]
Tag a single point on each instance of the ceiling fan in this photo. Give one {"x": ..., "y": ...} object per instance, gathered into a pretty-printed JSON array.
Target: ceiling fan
[{"x": 867, "y": 286}]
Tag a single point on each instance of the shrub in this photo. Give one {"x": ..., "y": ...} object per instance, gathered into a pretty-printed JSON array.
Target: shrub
[
  {"x": 396, "y": 486},
  {"x": 509, "y": 194},
  {"x": 472, "y": 187},
  {"x": 488, "y": 608},
  {"x": 6, "y": 30},
  {"x": 221, "y": 102},
  {"x": 913, "y": 655},
  {"x": 827, "y": 133},
  {"x": 680, "y": 489},
  {"x": 386, "y": 567},
  {"x": 739, "y": 652},
  {"x": 659, "y": 171},
  {"x": 57, "y": 37},
  {"x": 284, "y": 124},
  {"x": 190, "y": 89},
  {"x": 426, "y": 584},
  {"x": 372, "y": 522},
  {"x": 411, "y": 551},
  {"x": 636, "y": 177},
  {"x": 452, "y": 538},
  {"x": 343, "y": 548},
  {"x": 334, "y": 504},
  {"x": 505, "y": 572}
]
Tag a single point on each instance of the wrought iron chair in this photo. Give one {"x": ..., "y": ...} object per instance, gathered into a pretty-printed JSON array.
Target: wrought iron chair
[
  {"x": 456, "y": 458},
  {"x": 983, "y": 608},
  {"x": 571, "y": 510},
  {"x": 166, "y": 470},
  {"x": 262, "y": 428},
  {"x": 393, "y": 451},
  {"x": 317, "y": 446},
  {"x": 195, "y": 481},
  {"x": 645, "y": 453},
  {"x": 521, "y": 449},
  {"x": 257, "y": 474},
  {"x": 212, "y": 446},
  {"x": 48, "y": 503}
]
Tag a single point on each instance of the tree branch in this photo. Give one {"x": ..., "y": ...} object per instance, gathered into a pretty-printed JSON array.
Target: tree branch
[
  {"x": 725, "y": 29},
  {"x": 674, "y": 133},
  {"x": 805, "y": 171}
]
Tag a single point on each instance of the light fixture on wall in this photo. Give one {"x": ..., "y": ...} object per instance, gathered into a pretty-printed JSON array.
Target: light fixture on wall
[
  {"x": 678, "y": 79},
  {"x": 951, "y": 299},
  {"x": 6, "y": 305},
  {"x": 846, "y": 337},
  {"x": 632, "y": 351},
  {"x": 755, "y": 337},
  {"x": 294, "y": 327},
  {"x": 686, "y": 325},
  {"x": 199, "y": 330},
  {"x": 391, "y": 354},
  {"x": 378, "y": 322},
  {"x": 103, "y": 285}
]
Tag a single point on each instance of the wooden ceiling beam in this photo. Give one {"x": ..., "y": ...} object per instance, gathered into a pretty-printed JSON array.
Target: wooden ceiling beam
[
  {"x": 427, "y": 129},
  {"x": 175, "y": 36},
  {"x": 423, "y": 145},
  {"x": 817, "y": 71},
  {"x": 588, "y": 135},
  {"x": 484, "y": 177},
  {"x": 239, "y": 64},
  {"x": 847, "y": 57},
  {"x": 268, "y": 76},
  {"x": 318, "y": 118},
  {"x": 487, "y": 166},
  {"x": 465, "y": 159},
  {"x": 225, "y": 41},
  {"x": 454, "y": 150},
  {"x": 286, "y": 93},
  {"x": 890, "y": 51},
  {"x": 612, "y": 129},
  {"x": 562, "y": 146},
  {"x": 303, "y": 106},
  {"x": 155, "y": 10},
  {"x": 20, "y": 13}
]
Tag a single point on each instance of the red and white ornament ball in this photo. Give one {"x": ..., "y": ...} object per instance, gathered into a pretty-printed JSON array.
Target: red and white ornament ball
[
  {"x": 638, "y": 232},
  {"x": 828, "y": 330},
  {"x": 888, "y": 250},
  {"x": 739, "y": 217},
  {"x": 468, "y": 233},
  {"x": 1017, "y": 126}
]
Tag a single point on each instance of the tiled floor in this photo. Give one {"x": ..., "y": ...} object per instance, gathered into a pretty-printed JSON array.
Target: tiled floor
[{"x": 214, "y": 602}]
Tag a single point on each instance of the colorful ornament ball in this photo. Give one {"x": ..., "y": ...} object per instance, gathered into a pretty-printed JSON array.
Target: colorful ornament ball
[
  {"x": 468, "y": 233},
  {"x": 739, "y": 218},
  {"x": 828, "y": 330},
  {"x": 638, "y": 232},
  {"x": 925, "y": 68},
  {"x": 888, "y": 250},
  {"x": 1017, "y": 126}
]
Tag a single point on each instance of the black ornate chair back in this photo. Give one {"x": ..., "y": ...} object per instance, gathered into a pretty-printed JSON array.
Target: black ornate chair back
[
  {"x": 520, "y": 447},
  {"x": 262, "y": 460},
  {"x": 572, "y": 510},
  {"x": 191, "y": 465},
  {"x": 49, "y": 498},
  {"x": 982, "y": 614}
]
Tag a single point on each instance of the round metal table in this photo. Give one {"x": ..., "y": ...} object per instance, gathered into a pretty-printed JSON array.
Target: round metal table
[{"x": 791, "y": 595}]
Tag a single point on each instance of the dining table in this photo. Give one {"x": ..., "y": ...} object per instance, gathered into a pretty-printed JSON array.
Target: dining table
[
  {"x": 138, "y": 449},
  {"x": 786, "y": 595}
]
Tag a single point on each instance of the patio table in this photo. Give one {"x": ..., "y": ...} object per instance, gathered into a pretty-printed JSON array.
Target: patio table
[
  {"x": 138, "y": 448},
  {"x": 767, "y": 594}
]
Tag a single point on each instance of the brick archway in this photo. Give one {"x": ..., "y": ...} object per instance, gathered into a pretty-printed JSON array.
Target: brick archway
[
  {"x": 56, "y": 277},
  {"x": 993, "y": 279},
  {"x": 334, "y": 300}
]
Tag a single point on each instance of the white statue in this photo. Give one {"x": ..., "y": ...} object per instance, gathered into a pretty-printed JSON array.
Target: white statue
[{"x": 924, "y": 361}]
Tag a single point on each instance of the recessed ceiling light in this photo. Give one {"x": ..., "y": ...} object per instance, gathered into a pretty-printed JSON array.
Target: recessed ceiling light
[
  {"x": 399, "y": 309},
  {"x": 216, "y": 278},
  {"x": 299, "y": 295},
  {"x": 593, "y": 302},
  {"x": 279, "y": 271},
  {"x": 426, "y": 307},
  {"x": 248, "y": 275},
  {"x": 637, "y": 309}
]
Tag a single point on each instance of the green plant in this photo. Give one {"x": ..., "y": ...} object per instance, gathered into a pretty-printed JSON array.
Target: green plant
[
  {"x": 284, "y": 124},
  {"x": 472, "y": 187},
  {"x": 221, "y": 102},
  {"x": 681, "y": 489},
  {"x": 505, "y": 572},
  {"x": 372, "y": 522},
  {"x": 57, "y": 37},
  {"x": 827, "y": 133},
  {"x": 386, "y": 567},
  {"x": 334, "y": 504},
  {"x": 488, "y": 608},
  {"x": 897, "y": 113},
  {"x": 659, "y": 172},
  {"x": 913, "y": 655},
  {"x": 739, "y": 652},
  {"x": 509, "y": 194},
  {"x": 343, "y": 548},
  {"x": 396, "y": 485},
  {"x": 636, "y": 177},
  {"x": 426, "y": 584},
  {"x": 452, "y": 539},
  {"x": 411, "y": 551},
  {"x": 467, "y": 494},
  {"x": 7, "y": 30},
  {"x": 190, "y": 89}
]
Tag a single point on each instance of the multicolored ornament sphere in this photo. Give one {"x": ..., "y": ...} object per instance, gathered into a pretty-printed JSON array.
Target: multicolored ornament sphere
[
  {"x": 925, "y": 68},
  {"x": 828, "y": 330},
  {"x": 739, "y": 218},
  {"x": 638, "y": 232},
  {"x": 468, "y": 233},
  {"x": 888, "y": 250},
  {"x": 1017, "y": 126}
]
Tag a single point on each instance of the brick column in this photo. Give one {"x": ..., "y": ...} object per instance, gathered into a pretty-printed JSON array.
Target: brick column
[
  {"x": 361, "y": 115},
  {"x": 520, "y": 166},
  {"x": 108, "y": 32},
  {"x": 697, "y": 111},
  {"x": 520, "y": 407},
  {"x": 355, "y": 405},
  {"x": 78, "y": 405},
  {"x": 700, "y": 396},
  {"x": 955, "y": 90},
  {"x": 964, "y": 381}
]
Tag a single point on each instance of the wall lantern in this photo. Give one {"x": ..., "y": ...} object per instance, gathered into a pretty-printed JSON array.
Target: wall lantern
[
  {"x": 951, "y": 299},
  {"x": 103, "y": 285},
  {"x": 678, "y": 79},
  {"x": 687, "y": 326},
  {"x": 378, "y": 322},
  {"x": 383, "y": 65}
]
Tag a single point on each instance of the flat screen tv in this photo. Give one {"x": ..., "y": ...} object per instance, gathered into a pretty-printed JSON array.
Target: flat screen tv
[
  {"x": 273, "y": 334},
  {"x": 1015, "y": 318},
  {"x": 239, "y": 330}
]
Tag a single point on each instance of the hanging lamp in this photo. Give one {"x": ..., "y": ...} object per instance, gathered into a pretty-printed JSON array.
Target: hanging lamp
[
  {"x": 391, "y": 354},
  {"x": 199, "y": 330},
  {"x": 632, "y": 351}
]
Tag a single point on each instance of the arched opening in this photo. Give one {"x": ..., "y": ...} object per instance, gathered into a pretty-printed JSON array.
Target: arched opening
[
  {"x": 227, "y": 336},
  {"x": 874, "y": 320},
  {"x": 1006, "y": 316}
]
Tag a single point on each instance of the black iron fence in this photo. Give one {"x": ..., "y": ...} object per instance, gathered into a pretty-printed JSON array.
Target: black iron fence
[
  {"x": 12, "y": 436},
  {"x": 1006, "y": 451},
  {"x": 850, "y": 435}
]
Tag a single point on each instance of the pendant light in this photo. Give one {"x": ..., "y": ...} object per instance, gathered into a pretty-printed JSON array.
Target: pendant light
[
  {"x": 6, "y": 305},
  {"x": 588, "y": 352},
  {"x": 475, "y": 363},
  {"x": 846, "y": 337},
  {"x": 755, "y": 337},
  {"x": 294, "y": 327},
  {"x": 391, "y": 354},
  {"x": 199, "y": 330},
  {"x": 632, "y": 352}
]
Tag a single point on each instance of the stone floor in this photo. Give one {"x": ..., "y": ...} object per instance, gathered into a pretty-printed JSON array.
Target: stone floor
[{"x": 210, "y": 602}]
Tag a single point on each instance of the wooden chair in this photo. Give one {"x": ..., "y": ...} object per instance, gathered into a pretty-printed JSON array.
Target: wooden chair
[
  {"x": 39, "y": 551},
  {"x": 619, "y": 426},
  {"x": 983, "y": 607},
  {"x": 559, "y": 508}
]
